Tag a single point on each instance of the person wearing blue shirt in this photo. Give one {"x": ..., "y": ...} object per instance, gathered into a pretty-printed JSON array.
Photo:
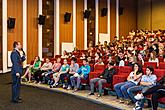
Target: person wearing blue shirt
[
  {"x": 146, "y": 82},
  {"x": 16, "y": 71},
  {"x": 82, "y": 73}
]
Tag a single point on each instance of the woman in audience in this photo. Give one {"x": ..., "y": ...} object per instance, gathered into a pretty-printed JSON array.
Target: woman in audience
[
  {"x": 64, "y": 69},
  {"x": 105, "y": 77},
  {"x": 54, "y": 69},
  {"x": 99, "y": 62},
  {"x": 132, "y": 61},
  {"x": 32, "y": 68},
  {"x": 132, "y": 80},
  {"x": 38, "y": 75},
  {"x": 147, "y": 81},
  {"x": 65, "y": 54},
  {"x": 83, "y": 56},
  {"x": 82, "y": 73},
  {"x": 140, "y": 59},
  {"x": 153, "y": 58}
]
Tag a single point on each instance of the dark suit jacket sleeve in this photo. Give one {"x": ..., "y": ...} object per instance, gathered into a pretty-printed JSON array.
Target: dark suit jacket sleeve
[{"x": 15, "y": 62}]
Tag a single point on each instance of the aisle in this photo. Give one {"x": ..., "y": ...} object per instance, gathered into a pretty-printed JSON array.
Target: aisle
[{"x": 38, "y": 99}]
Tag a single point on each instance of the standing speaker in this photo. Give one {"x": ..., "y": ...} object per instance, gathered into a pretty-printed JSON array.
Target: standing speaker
[
  {"x": 67, "y": 17},
  {"x": 104, "y": 12},
  {"x": 41, "y": 20},
  {"x": 87, "y": 14},
  {"x": 11, "y": 23}
]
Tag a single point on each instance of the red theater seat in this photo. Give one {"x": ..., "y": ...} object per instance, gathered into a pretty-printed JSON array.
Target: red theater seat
[
  {"x": 122, "y": 74},
  {"x": 159, "y": 73},
  {"x": 153, "y": 64},
  {"x": 162, "y": 65}
]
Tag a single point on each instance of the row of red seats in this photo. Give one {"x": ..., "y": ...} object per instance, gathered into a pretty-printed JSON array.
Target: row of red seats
[{"x": 122, "y": 74}]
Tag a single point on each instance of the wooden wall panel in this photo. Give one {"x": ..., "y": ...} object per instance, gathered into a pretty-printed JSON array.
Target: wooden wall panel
[
  {"x": 112, "y": 19},
  {"x": 15, "y": 9},
  {"x": 144, "y": 14},
  {"x": 128, "y": 20},
  {"x": 158, "y": 15},
  {"x": 66, "y": 29},
  {"x": 102, "y": 20},
  {"x": 80, "y": 24},
  {"x": 32, "y": 29}
]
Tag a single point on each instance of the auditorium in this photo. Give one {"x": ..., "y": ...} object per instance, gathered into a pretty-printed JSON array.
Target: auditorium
[{"x": 82, "y": 54}]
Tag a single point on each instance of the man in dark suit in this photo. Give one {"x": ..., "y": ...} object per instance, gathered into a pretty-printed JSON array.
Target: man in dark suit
[{"x": 17, "y": 69}]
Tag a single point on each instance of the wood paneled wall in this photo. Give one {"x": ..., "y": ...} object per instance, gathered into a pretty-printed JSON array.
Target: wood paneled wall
[
  {"x": 151, "y": 14},
  {"x": 112, "y": 19},
  {"x": 128, "y": 20},
  {"x": 32, "y": 29},
  {"x": 80, "y": 24},
  {"x": 15, "y": 9},
  {"x": 66, "y": 29},
  {"x": 102, "y": 20},
  {"x": 158, "y": 14}
]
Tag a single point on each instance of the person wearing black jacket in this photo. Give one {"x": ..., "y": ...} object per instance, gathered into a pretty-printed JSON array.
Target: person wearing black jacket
[{"x": 105, "y": 77}]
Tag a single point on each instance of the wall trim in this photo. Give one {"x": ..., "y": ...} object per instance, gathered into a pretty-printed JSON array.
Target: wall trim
[
  {"x": 96, "y": 21},
  {"x": 4, "y": 34},
  {"x": 39, "y": 30},
  {"x": 85, "y": 26},
  {"x": 25, "y": 28},
  {"x": 57, "y": 26},
  {"x": 108, "y": 18},
  {"x": 117, "y": 19},
  {"x": 74, "y": 23}
]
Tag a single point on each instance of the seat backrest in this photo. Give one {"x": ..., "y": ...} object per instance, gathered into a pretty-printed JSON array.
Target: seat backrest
[
  {"x": 99, "y": 67},
  {"x": 159, "y": 73},
  {"x": 161, "y": 65},
  {"x": 124, "y": 69},
  {"x": 153, "y": 64}
]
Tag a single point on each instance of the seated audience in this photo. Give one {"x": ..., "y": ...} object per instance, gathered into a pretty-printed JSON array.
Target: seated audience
[
  {"x": 105, "y": 77},
  {"x": 99, "y": 62},
  {"x": 119, "y": 59},
  {"x": 54, "y": 69},
  {"x": 153, "y": 58},
  {"x": 73, "y": 69},
  {"x": 65, "y": 54},
  {"x": 132, "y": 80},
  {"x": 82, "y": 73},
  {"x": 32, "y": 68},
  {"x": 45, "y": 68},
  {"x": 147, "y": 81},
  {"x": 64, "y": 70},
  {"x": 157, "y": 91}
]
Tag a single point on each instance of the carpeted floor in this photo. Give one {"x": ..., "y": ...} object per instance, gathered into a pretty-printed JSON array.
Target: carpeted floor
[{"x": 37, "y": 99}]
